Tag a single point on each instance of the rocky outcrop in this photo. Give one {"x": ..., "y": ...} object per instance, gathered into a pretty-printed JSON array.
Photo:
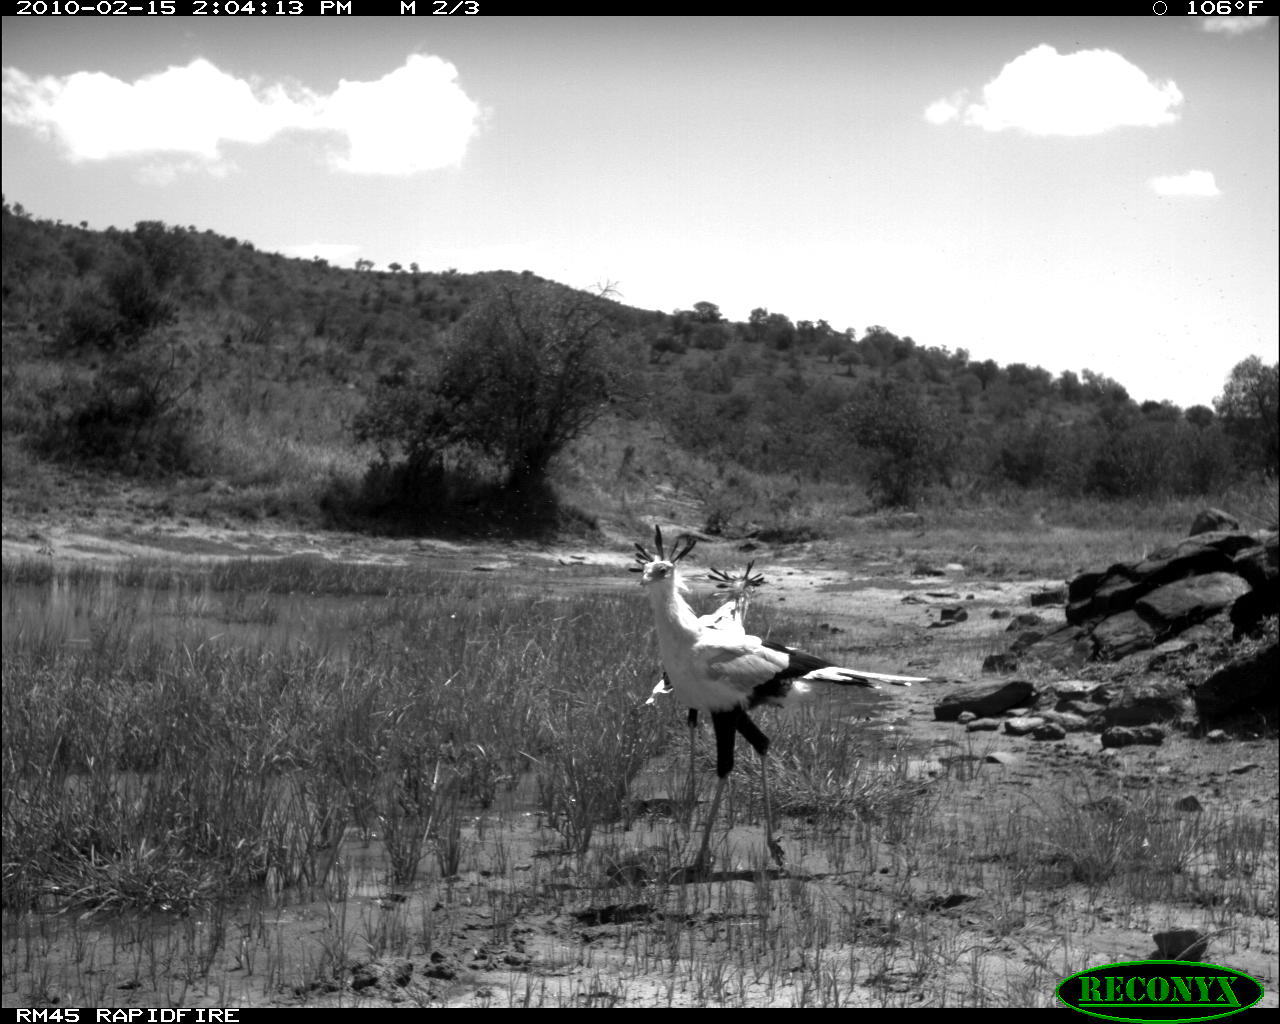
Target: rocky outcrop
[
  {"x": 1135, "y": 606},
  {"x": 1169, "y": 603}
]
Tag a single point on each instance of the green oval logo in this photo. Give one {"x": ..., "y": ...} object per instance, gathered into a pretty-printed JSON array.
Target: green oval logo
[{"x": 1164, "y": 990}]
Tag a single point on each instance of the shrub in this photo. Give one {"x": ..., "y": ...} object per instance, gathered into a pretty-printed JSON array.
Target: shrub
[
  {"x": 131, "y": 416},
  {"x": 526, "y": 371}
]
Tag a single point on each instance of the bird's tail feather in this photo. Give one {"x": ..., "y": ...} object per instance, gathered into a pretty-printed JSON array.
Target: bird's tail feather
[{"x": 857, "y": 677}]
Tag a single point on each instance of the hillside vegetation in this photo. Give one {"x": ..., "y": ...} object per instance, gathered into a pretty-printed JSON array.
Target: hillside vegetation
[{"x": 230, "y": 381}]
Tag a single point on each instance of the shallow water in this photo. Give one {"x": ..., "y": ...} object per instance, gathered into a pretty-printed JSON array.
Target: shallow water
[{"x": 69, "y": 611}]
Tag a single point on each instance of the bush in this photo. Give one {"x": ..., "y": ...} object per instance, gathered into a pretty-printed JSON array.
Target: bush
[
  {"x": 119, "y": 313},
  {"x": 912, "y": 442},
  {"x": 526, "y": 371},
  {"x": 131, "y": 416}
]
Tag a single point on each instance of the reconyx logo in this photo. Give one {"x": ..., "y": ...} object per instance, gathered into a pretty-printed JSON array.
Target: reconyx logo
[{"x": 1164, "y": 990}]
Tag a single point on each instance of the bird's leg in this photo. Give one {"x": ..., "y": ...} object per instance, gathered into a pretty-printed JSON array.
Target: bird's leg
[
  {"x": 760, "y": 742},
  {"x": 726, "y": 728},
  {"x": 774, "y": 849},
  {"x": 701, "y": 864},
  {"x": 691, "y": 798}
]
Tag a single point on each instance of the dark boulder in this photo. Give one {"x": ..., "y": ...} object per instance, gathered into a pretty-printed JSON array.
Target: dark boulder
[
  {"x": 1246, "y": 688},
  {"x": 985, "y": 700}
]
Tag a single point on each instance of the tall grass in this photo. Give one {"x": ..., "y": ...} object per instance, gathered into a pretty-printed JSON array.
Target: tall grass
[{"x": 140, "y": 767}]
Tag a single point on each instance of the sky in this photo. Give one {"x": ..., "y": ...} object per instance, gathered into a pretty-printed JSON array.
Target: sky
[{"x": 1072, "y": 193}]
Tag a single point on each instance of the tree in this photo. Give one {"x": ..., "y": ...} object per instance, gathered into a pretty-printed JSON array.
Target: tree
[
  {"x": 832, "y": 345},
  {"x": 912, "y": 442},
  {"x": 169, "y": 253},
  {"x": 527, "y": 370},
  {"x": 1199, "y": 416},
  {"x": 986, "y": 371},
  {"x": 707, "y": 312},
  {"x": 1249, "y": 407}
]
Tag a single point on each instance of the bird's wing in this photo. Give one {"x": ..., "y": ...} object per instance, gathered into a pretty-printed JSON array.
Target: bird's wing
[{"x": 739, "y": 659}]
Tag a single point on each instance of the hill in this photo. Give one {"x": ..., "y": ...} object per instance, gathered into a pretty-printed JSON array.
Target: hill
[{"x": 228, "y": 380}]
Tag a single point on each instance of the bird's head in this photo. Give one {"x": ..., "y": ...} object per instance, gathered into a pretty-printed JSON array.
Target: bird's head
[
  {"x": 740, "y": 585},
  {"x": 656, "y": 570}
]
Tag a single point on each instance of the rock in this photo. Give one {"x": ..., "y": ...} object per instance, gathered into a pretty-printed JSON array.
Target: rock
[
  {"x": 993, "y": 663},
  {"x": 1168, "y": 652},
  {"x": 1048, "y": 731},
  {"x": 1024, "y": 621},
  {"x": 1066, "y": 721},
  {"x": 1081, "y": 708},
  {"x": 1259, "y": 565},
  {"x": 1260, "y": 568},
  {"x": 1073, "y": 689},
  {"x": 966, "y": 717},
  {"x": 1125, "y": 736},
  {"x": 983, "y": 699},
  {"x": 1244, "y": 688},
  {"x": 1026, "y": 640},
  {"x": 1192, "y": 557},
  {"x": 1116, "y": 592},
  {"x": 1189, "y": 804},
  {"x": 1250, "y": 609},
  {"x": 1001, "y": 757},
  {"x": 1216, "y": 736},
  {"x": 1144, "y": 702},
  {"x": 1180, "y": 944},
  {"x": 1050, "y": 595},
  {"x": 1122, "y": 634},
  {"x": 999, "y": 613},
  {"x": 983, "y": 725},
  {"x": 1066, "y": 648},
  {"x": 1022, "y": 725},
  {"x": 1241, "y": 769},
  {"x": 1213, "y": 519},
  {"x": 1175, "y": 606},
  {"x": 1094, "y": 596},
  {"x": 1082, "y": 587},
  {"x": 952, "y": 614}
]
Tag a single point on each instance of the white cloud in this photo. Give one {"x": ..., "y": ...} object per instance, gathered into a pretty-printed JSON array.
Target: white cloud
[
  {"x": 1233, "y": 26},
  {"x": 1192, "y": 183},
  {"x": 943, "y": 111},
  {"x": 1043, "y": 92},
  {"x": 416, "y": 118}
]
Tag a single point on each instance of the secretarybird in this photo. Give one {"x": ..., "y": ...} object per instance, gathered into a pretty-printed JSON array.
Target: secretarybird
[
  {"x": 731, "y": 616},
  {"x": 727, "y": 672}
]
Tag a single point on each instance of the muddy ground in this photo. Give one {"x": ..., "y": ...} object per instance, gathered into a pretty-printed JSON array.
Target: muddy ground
[{"x": 527, "y": 925}]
